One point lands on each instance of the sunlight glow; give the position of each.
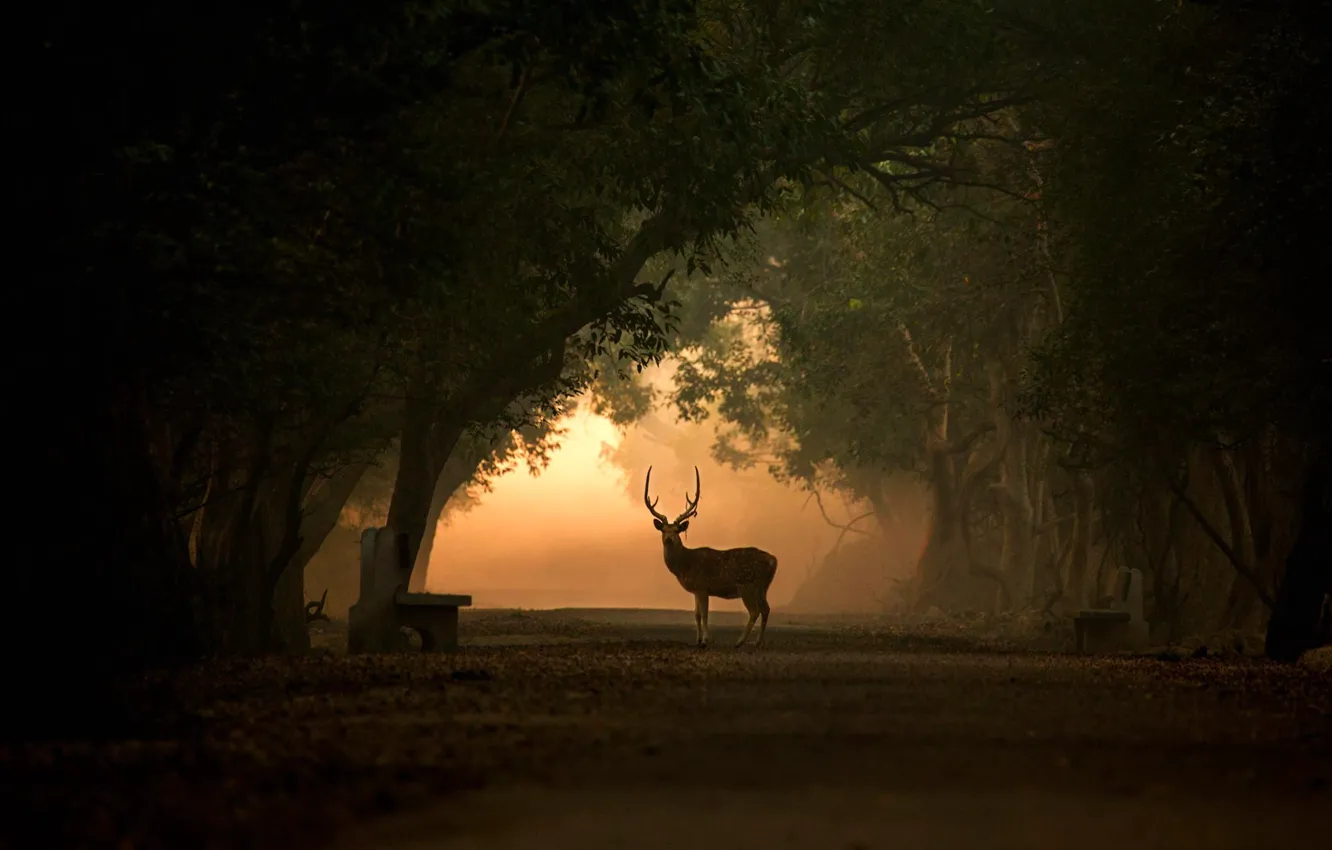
(578, 535)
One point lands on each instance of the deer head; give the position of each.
(671, 530)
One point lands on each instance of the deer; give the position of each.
(744, 574)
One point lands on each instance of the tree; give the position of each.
(1185, 200)
(895, 344)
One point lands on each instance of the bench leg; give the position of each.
(1079, 636)
(442, 636)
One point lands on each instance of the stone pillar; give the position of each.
(372, 622)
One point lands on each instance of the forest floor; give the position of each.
(585, 729)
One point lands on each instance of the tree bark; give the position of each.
(980, 465)
(944, 549)
(458, 471)
(1294, 627)
(1241, 599)
(1161, 517)
(948, 554)
(428, 438)
(289, 632)
(121, 572)
(1018, 556)
(323, 509)
(319, 516)
(884, 515)
(1084, 492)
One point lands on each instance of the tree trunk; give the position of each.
(884, 515)
(948, 557)
(243, 613)
(427, 441)
(1162, 519)
(1018, 556)
(1294, 627)
(319, 516)
(1242, 599)
(458, 471)
(979, 467)
(290, 633)
(120, 572)
(243, 563)
(944, 553)
(1084, 492)
(323, 509)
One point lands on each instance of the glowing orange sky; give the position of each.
(579, 535)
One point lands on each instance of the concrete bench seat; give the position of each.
(433, 600)
(1122, 625)
(434, 616)
(1107, 614)
(386, 607)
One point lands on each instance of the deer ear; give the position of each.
(684, 526)
(657, 524)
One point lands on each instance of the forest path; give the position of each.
(826, 739)
(557, 731)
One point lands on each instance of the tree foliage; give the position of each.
(276, 245)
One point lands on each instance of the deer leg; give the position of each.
(749, 627)
(751, 605)
(698, 623)
(704, 634)
(764, 611)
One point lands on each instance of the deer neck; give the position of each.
(677, 556)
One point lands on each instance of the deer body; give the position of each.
(744, 574)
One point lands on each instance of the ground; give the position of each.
(600, 729)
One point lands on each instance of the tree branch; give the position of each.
(294, 509)
(839, 183)
(652, 237)
(1215, 536)
(517, 98)
(848, 527)
(962, 445)
(916, 359)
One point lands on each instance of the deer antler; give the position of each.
(652, 505)
(691, 506)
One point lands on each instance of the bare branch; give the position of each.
(1246, 570)
(845, 527)
(915, 357)
(517, 98)
(845, 187)
(962, 445)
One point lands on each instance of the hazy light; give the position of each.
(578, 535)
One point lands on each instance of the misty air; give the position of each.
(830, 424)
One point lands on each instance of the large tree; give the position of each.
(1180, 385)
(1190, 197)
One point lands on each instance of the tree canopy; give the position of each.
(1039, 254)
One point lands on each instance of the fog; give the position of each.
(578, 535)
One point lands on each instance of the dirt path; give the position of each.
(617, 735)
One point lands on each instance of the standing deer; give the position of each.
(743, 574)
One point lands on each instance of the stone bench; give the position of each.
(1120, 624)
(386, 607)
(434, 616)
